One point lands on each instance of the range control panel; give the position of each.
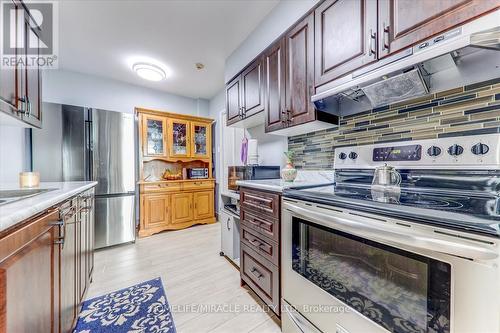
(398, 153)
(465, 152)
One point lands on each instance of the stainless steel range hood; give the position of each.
(462, 56)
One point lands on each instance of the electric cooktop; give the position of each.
(463, 210)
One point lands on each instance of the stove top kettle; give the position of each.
(386, 175)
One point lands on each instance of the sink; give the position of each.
(8, 196)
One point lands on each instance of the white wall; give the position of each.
(47, 144)
(12, 153)
(65, 87)
(280, 19)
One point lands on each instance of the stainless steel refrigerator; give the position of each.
(99, 145)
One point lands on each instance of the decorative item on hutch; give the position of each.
(171, 143)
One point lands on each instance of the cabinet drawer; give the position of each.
(262, 276)
(266, 248)
(262, 202)
(198, 185)
(268, 227)
(162, 187)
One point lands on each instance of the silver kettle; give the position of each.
(386, 175)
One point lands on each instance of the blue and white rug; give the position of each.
(141, 308)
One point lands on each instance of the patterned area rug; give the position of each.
(141, 308)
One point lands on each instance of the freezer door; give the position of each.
(114, 220)
(74, 143)
(113, 158)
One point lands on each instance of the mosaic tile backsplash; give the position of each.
(469, 110)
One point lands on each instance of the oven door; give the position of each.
(345, 272)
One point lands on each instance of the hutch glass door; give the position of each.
(200, 134)
(155, 136)
(179, 138)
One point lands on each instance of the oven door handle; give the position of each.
(304, 325)
(384, 233)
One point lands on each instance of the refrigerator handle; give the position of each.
(89, 149)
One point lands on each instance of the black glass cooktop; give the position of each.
(472, 211)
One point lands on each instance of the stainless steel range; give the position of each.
(414, 250)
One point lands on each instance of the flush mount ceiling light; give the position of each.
(149, 71)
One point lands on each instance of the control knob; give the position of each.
(342, 156)
(353, 155)
(480, 149)
(434, 151)
(455, 150)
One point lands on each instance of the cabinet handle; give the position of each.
(258, 275)
(28, 109)
(255, 242)
(227, 224)
(62, 231)
(385, 37)
(373, 38)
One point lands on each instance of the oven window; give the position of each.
(399, 290)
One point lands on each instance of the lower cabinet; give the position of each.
(156, 209)
(176, 207)
(203, 205)
(45, 268)
(28, 274)
(182, 207)
(68, 264)
(260, 244)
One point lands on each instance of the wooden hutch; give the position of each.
(170, 144)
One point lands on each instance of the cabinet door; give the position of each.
(156, 210)
(90, 236)
(28, 278)
(33, 78)
(203, 205)
(182, 207)
(8, 79)
(252, 89)
(346, 37)
(82, 253)
(403, 23)
(200, 140)
(274, 68)
(233, 102)
(68, 276)
(154, 129)
(178, 138)
(299, 74)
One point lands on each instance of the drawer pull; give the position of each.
(256, 273)
(255, 243)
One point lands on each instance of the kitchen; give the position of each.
(293, 166)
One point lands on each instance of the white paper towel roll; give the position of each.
(253, 152)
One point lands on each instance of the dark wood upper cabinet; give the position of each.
(245, 94)
(252, 89)
(403, 23)
(20, 84)
(299, 72)
(274, 99)
(33, 83)
(346, 37)
(233, 103)
(8, 82)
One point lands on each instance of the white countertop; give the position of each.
(17, 211)
(304, 178)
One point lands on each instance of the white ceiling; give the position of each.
(103, 37)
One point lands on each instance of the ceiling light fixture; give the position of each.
(149, 71)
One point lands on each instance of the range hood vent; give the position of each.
(397, 88)
(463, 56)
